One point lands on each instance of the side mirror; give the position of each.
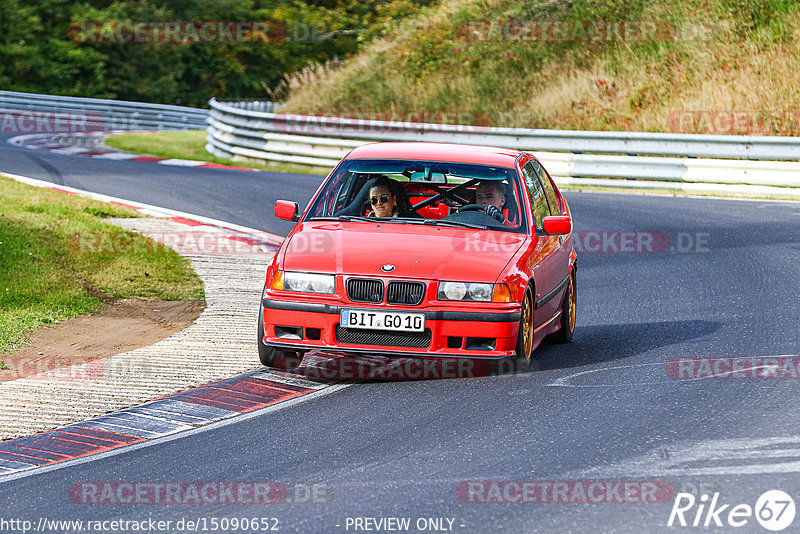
(287, 210)
(557, 224)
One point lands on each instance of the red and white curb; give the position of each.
(63, 415)
(175, 413)
(49, 142)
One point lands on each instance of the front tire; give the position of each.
(272, 357)
(525, 336)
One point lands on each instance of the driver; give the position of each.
(492, 196)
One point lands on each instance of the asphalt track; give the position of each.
(602, 408)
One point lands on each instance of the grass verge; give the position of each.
(190, 144)
(51, 267)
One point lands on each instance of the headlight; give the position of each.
(465, 291)
(308, 282)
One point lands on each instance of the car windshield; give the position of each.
(422, 192)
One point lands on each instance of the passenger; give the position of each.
(382, 200)
(388, 199)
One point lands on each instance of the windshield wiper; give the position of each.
(346, 218)
(455, 224)
(361, 218)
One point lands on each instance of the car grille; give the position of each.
(364, 290)
(399, 292)
(356, 336)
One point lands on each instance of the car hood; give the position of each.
(415, 251)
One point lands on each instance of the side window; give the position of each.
(550, 193)
(538, 199)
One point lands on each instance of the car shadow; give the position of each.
(608, 342)
(592, 344)
(330, 367)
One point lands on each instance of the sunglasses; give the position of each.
(383, 200)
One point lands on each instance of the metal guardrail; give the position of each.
(97, 114)
(629, 143)
(240, 131)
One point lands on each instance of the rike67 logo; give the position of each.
(774, 510)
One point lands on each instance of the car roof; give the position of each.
(453, 153)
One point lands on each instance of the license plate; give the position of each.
(380, 320)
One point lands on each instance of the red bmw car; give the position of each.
(424, 250)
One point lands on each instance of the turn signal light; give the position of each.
(501, 293)
(277, 280)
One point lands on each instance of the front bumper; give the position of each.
(467, 332)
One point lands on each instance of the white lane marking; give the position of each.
(72, 150)
(676, 460)
(42, 142)
(562, 382)
(116, 156)
(149, 209)
(232, 419)
(181, 162)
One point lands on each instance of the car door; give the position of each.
(546, 264)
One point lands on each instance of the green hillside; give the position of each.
(690, 65)
(227, 48)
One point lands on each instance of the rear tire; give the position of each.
(568, 312)
(272, 357)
